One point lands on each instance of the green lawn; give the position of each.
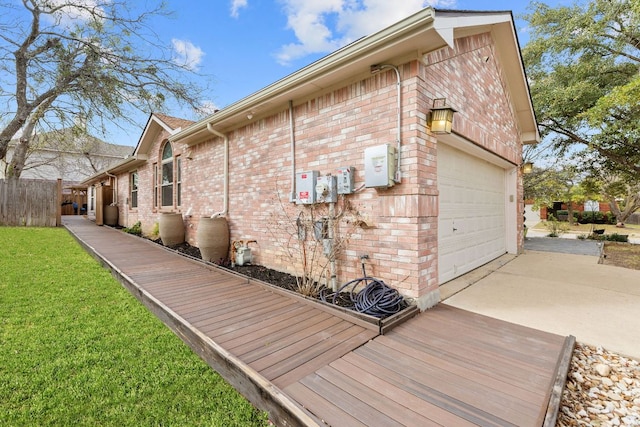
(77, 349)
(630, 229)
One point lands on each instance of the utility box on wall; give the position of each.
(306, 187)
(326, 189)
(346, 179)
(379, 166)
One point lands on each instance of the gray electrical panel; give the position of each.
(326, 189)
(379, 166)
(346, 179)
(306, 187)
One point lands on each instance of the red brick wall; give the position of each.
(332, 129)
(470, 78)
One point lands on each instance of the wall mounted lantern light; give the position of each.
(527, 167)
(440, 117)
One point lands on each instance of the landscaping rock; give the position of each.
(603, 389)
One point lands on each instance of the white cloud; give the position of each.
(71, 12)
(188, 55)
(236, 5)
(322, 26)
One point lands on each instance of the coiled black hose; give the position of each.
(375, 299)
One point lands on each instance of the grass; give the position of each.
(621, 255)
(77, 349)
(587, 228)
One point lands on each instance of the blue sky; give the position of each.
(246, 45)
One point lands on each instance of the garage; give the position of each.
(471, 218)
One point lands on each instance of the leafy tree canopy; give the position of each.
(583, 63)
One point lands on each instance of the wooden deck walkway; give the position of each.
(312, 366)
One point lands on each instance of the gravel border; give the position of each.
(602, 389)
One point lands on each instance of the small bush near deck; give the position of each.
(135, 229)
(76, 349)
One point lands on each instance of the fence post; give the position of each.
(59, 204)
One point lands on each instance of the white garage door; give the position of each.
(471, 219)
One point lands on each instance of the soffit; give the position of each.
(414, 35)
(423, 32)
(500, 24)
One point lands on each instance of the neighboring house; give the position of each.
(63, 154)
(580, 208)
(457, 202)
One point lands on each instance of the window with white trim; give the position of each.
(133, 185)
(178, 180)
(170, 177)
(166, 183)
(155, 185)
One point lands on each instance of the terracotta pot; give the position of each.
(171, 229)
(110, 216)
(213, 239)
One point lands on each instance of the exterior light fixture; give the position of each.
(440, 117)
(527, 167)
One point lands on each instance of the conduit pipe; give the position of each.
(333, 277)
(292, 138)
(225, 138)
(375, 69)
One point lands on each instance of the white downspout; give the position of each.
(292, 138)
(226, 170)
(375, 69)
(115, 187)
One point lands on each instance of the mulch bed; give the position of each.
(288, 282)
(277, 278)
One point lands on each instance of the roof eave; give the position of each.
(126, 165)
(352, 59)
(501, 23)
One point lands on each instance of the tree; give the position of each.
(623, 197)
(582, 62)
(561, 184)
(98, 59)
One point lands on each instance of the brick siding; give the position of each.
(332, 130)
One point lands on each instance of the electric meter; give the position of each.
(326, 189)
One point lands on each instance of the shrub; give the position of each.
(555, 227)
(599, 218)
(134, 229)
(587, 217)
(614, 237)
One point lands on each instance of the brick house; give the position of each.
(444, 203)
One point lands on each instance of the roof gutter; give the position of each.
(362, 48)
(122, 166)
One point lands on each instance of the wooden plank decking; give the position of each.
(444, 367)
(308, 365)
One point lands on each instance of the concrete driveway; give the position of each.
(555, 287)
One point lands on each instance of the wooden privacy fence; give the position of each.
(30, 202)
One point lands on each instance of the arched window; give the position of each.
(167, 175)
